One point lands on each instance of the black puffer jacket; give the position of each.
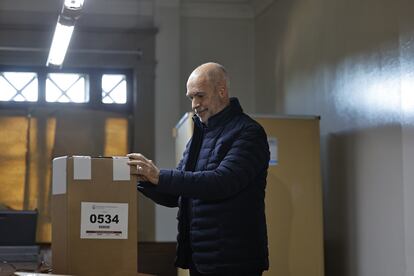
(222, 223)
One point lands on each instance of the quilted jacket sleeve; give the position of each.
(149, 190)
(246, 160)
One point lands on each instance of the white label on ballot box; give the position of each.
(102, 220)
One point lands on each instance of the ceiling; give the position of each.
(121, 13)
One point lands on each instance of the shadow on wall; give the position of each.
(337, 209)
(363, 200)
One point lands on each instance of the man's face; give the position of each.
(205, 101)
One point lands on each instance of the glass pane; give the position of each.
(67, 87)
(73, 92)
(7, 90)
(116, 137)
(13, 150)
(114, 89)
(18, 86)
(53, 91)
(30, 92)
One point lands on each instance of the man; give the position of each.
(219, 185)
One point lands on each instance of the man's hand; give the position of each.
(146, 169)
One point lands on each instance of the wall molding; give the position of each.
(260, 6)
(243, 9)
(217, 10)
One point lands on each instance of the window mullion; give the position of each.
(41, 86)
(95, 96)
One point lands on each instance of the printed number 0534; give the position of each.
(101, 218)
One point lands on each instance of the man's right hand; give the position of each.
(146, 169)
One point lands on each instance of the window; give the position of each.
(66, 87)
(18, 86)
(54, 113)
(114, 89)
(103, 89)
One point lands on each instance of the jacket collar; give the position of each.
(223, 116)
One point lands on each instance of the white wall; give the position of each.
(229, 41)
(167, 88)
(407, 102)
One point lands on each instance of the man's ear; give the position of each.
(222, 90)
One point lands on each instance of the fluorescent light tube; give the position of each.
(73, 4)
(60, 44)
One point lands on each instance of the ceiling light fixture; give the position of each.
(73, 4)
(63, 32)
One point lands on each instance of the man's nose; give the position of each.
(194, 104)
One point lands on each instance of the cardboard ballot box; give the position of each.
(94, 216)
